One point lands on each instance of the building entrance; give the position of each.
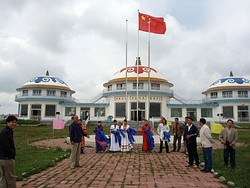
(141, 111)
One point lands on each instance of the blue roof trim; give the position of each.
(231, 100)
(139, 92)
(196, 105)
(39, 99)
(83, 104)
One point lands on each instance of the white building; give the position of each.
(46, 96)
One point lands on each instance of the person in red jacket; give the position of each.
(145, 145)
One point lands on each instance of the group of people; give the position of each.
(121, 137)
(228, 137)
(121, 140)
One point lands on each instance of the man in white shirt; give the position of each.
(206, 143)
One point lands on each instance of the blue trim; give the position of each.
(139, 92)
(83, 104)
(231, 100)
(39, 99)
(196, 105)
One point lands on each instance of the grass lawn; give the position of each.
(29, 159)
(239, 175)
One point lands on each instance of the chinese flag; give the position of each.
(157, 25)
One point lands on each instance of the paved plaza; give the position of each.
(130, 170)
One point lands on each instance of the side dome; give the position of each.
(46, 81)
(230, 83)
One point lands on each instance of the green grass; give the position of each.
(22, 121)
(239, 175)
(31, 160)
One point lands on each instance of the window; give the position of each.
(155, 86)
(155, 110)
(25, 92)
(140, 104)
(24, 110)
(227, 94)
(243, 115)
(228, 111)
(140, 85)
(63, 94)
(176, 112)
(36, 106)
(37, 92)
(110, 88)
(120, 110)
(206, 112)
(99, 112)
(242, 94)
(120, 86)
(191, 112)
(70, 111)
(214, 95)
(51, 92)
(50, 110)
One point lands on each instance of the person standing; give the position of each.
(184, 126)
(163, 127)
(7, 154)
(190, 138)
(84, 129)
(229, 137)
(177, 131)
(76, 134)
(125, 144)
(206, 143)
(148, 139)
(101, 140)
(115, 138)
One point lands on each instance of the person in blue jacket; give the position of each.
(76, 134)
(190, 136)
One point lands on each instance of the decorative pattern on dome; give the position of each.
(231, 81)
(46, 79)
(141, 69)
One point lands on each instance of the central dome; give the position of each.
(142, 74)
(138, 70)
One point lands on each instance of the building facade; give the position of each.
(47, 97)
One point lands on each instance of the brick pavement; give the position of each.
(130, 170)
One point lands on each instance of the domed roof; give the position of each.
(46, 81)
(142, 74)
(232, 82)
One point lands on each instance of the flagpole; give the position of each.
(137, 78)
(149, 84)
(126, 104)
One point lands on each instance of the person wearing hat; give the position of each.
(7, 154)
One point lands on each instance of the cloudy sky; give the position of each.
(83, 43)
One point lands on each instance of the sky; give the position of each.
(83, 43)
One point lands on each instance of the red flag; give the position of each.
(157, 25)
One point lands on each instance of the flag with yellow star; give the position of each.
(151, 24)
